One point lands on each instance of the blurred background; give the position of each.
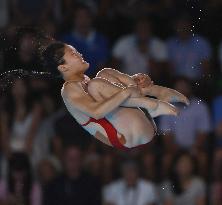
(46, 158)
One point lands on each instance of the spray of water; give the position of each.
(7, 78)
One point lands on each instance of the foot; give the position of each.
(171, 95)
(164, 108)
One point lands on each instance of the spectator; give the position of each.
(84, 37)
(26, 56)
(217, 118)
(220, 56)
(4, 13)
(47, 171)
(73, 186)
(26, 12)
(19, 187)
(184, 187)
(130, 189)
(140, 51)
(189, 53)
(93, 165)
(23, 119)
(216, 183)
(166, 162)
(191, 128)
(149, 166)
(109, 166)
(46, 132)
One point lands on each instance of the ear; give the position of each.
(62, 68)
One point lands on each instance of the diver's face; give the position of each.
(74, 61)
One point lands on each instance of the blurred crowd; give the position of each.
(46, 158)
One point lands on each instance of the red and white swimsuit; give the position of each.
(110, 131)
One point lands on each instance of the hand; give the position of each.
(134, 90)
(142, 80)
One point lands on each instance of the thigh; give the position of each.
(100, 88)
(133, 124)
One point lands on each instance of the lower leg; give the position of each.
(153, 106)
(165, 94)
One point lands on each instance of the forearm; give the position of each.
(110, 104)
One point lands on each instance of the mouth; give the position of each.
(83, 61)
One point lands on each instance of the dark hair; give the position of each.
(52, 57)
(174, 178)
(20, 162)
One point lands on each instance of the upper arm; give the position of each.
(83, 102)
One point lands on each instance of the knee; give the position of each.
(104, 72)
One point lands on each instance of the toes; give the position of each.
(174, 110)
(180, 98)
(187, 102)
